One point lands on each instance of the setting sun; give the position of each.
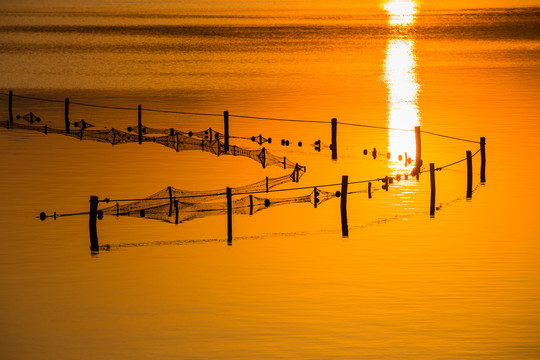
(401, 12)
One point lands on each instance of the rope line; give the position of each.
(243, 117)
(287, 189)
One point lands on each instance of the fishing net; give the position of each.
(205, 140)
(176, 211)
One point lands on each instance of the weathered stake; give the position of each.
(344, 223)
(229, 216)
(11, 107)
(483, 160)
(139, 123)
(432, 177)
(170, 201)
(226, 127)
(369, 190)
(94, 244)
(418, 160)
(334, 139)
(66, 115)
(469, 174)
(176, 209)
(250, 204)
(267, 184)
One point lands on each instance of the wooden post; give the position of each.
(418, 160)
(226, 126)
(139, 123)
(284, 162)
(117, 210)
(315, 197)
(297, 172)
(170, 201)
(369, 190)
(94, 244)
(66, 115)
(469, 174)
(250, 204)
(229, 216)
(483, 160)
(344, 223)
(267, 184)
(176, 209)
(432, 177)
(11, 107)
(334, 139)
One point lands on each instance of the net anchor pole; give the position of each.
(176, 209)
(469, 175)
(94, 244)
(139, 123)
(483, 160)
(170, 202)
(229, 216)
(226, 131)
(66, 114)
(267, 184)
(333, 145)
(369, 190)
(250, 204)
(418, 160)
(432, 200)
(344, 222)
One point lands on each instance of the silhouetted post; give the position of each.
(170, 201)
(94, 244)
(176, 209)
(250, 204)
(229, 216)
(418, 161)
(11, 107)
(469, 174)
(66, 115)
(297, 172)
(334, 139)
(344, 224)
(267, 184)
(432, 177)
(117, 210)
(284, 162)
(315, 197)
(369, 190)
(226, 126)
(483, 160)
(139, 123)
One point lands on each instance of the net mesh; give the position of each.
(205, 140)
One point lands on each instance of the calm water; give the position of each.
(402, 286)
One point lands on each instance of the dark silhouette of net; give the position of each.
(205, 140)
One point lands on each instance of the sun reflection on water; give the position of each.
(400, 78)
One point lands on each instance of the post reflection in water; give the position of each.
(400, 78)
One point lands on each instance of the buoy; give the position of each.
(388, 155)
(142, 213)
(42, 215)
(253, 138)
(129, 129)
(287, 143)
(190, 134)
(269, 140)
(300, 143)
(338, 193)
(100, 214)
(400, 157)
(266, 202)
(365, 151)
(282, 141)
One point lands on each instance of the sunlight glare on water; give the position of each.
(400, 78)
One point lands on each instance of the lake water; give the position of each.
(402, 285)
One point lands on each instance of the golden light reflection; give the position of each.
(401, 12)
(400, 78)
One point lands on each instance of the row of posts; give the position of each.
(94, 245)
